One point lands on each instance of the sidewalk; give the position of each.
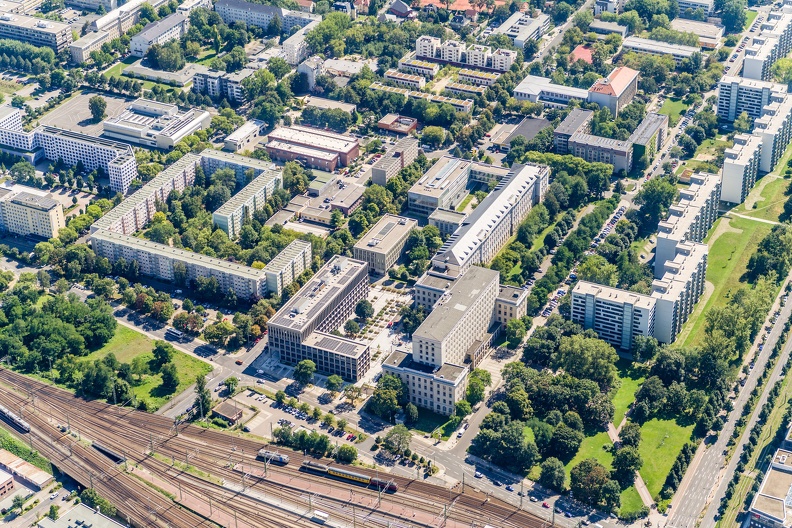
(640, 486)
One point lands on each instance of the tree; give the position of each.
(280, 397)
(163, 353)
(328, 420)
(334, 383)
(433, 135)
(566, 441)
(97, 105)
(18, 503)
(553, 475)
(304, 371)
(654, 199)
(743, 123)
(231, 383)
(170, 377)
(398, 439)
(346, 454)
(625, 463)
(462, 408)
(595, 268)
(734, 15)
(587, 481)
(364, 310)
(53, 512)
(587, 358)
(278, 67)
(630, 435)
(351, 327)
(203, 398)
(341, 424)
(515, 332)
(411, 413)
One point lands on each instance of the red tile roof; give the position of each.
(583, 53)
(615, 83)
(458, 5)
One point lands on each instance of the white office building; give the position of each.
(171, 27)
(154, 124)
(740, 167)
(520, 27)
(543, 90)
(81, 48)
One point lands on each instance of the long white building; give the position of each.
(261, 15)
(737, 95)
(35, 31)
(171, 27)
(520, 27)
(774, 42)
(656, 47)
(775, 130)
(232, 214)
(154, 124)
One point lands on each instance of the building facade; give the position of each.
(288, 265)
(616, 90)
(172, 27)
(401, 155)
(28, 211)
(737, 95)
(740, 167)
(36, 31)
(382, 245)
(240, 208)
(154, 124)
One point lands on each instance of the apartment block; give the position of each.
(773, 42)
(465, 90)
(302, 328)
(295, 49)
(456, 52)
(705, 5)
(679, 289)
(81, 48)
(737, 95)
(395, 159)
(689, 220)
(478, 78)
(244, 168)
(460, 105)
(261, 15)
(154, 124)
(405, 79)
(218, 85)
(494, 221)
(312, 67)
(382, 245)
(617, 316)
(288, 265)
(502, 59)
(740, 167)
(35, 31)
(604, 150)
(28, 211)
(121, 19)
(616, 90)
(650, 135)
(576, 121)
(520, 27)
(655, 47)
(451, 51)
(240, 208)
(426, 46)
(172, 27)
(311, 142)
(775, 129)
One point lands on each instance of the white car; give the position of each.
(54, 496)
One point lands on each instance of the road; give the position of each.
(545, 48)
(708, 468)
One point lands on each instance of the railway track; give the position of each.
(136, 433)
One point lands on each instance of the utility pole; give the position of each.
(522, 483)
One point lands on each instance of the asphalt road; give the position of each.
(698, 488)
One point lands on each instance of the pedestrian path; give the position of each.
(639, 484)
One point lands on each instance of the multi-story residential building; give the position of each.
(678, 290)
(520, 27)
(689, 220)
(447, 220)
(302, 328)
(173, 264)
(577, 120)
(775, 129)
(426, 46)
(511, 303)
(402, 154)
(616, 90)
(655, 47)
(419, 67)
(81, 48)
(405, 79)
(261, 15)
(494, 221)
(244, 168)
(451, 51)
(460, 105)
(188, 5)
(28, 211)
(737, 95)
(542, 90)
(217, 84)
(312, 68)
(774, 42)
(502, 59)
(35, 31)
(232, 214)
(608, 6)
(155, 124)
(618, 316)
(244, 137)
(478, 78)
(383, 244)
(705, 5)
(121, 19)
(648, 138)
(288, 265)
(465, 89)
(172, 27)
(740, 167)
(295, 49)
(312, 140)
(478, 56)
(601, 149)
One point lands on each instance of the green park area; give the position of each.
(117, 69)
(630, 379)
(749, 18)
(673, 107)
(661, 442)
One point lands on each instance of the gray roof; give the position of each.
(647, 128)
(287, 256)
(154, 30)
(447, 215)
(404, 360)
(528, 128)
(612, 27)
(42, 203)
(250, 6)
(614, 145)
(573, 121)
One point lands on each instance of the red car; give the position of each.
(545, 505)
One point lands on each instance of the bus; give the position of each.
(172, 332)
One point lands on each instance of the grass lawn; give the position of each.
(9, 87)
(630, 501)
(464, 203)
(712, 146)
(116, 69)
(205, 57)
(661, 442)
(428, 421)
(593, 447)
(630, 381)
(127, 344)
(750, 17)
(770, 203)
(673, 107)
(728, 258)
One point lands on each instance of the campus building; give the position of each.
(219, 85)
(261, 15)
(442, 186)
(520, 27)
(81, 48)
(36, 31)
(240, 208)
(616, 90)
(649, 137)
(244, 137)
(601, 149)
(173, 26)
(118, 21)
(28, 211)
(311, 144)
(769, 505)
(740, 167)
(288, 265)
(447, 220)
(382, 245)
(395, 159)
(511, 303)
(398, 124)
(709, 35)
(655, 47)
(154, 124)
(543, 90)
(737, 95)
(302, 328)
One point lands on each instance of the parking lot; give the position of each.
(75, 115)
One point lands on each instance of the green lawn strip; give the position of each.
(116, 69)
(205, 57)
(625, 395)
(464, 203)
(593, 447)
(673, 107)
(428, 421)
(770, 204)
(728, 260)
(750, 17)
(661, 442)
(630, 501)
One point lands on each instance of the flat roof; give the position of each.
(79, 516)
(613, 295)
(447, 215)
(261, 181)
(314, 136)
(753, 84)
(302, 150)
(435, 282)
(678, 271)
(455, 303)
(122, 148)
(247, 128)
(465, 88)
(389, 231)
(236, 159)
(701, 29)
(396, 74)
(285, 258)
(328, 104)
(574, 121)
(744, 149)
(156, 29)
(336, 344)
(511, 294)
(42, 203)
(90, 38)
(404, 360)
(656, 46)
(24, 469)
(37, 25)
(648, 127)
(440, 176)
(608, 26)
(478, 74)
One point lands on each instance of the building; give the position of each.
(261, 15)
(679, 289)
(172, 27)
(398, 124)
(244, 137)
(244, 168)
(465, 89)
(312, 68)
(775, 129)
(24, 470)
(737, 95)
(542, 90)
(302, 328)
(92, 5)
(494, 221)
(395, 159)
(511, 303)
(740, 167)
(419, 67)
(528, 128)
(80, 515)
(405, 79)
(240, 208)
(218, 85)
(577, 120)
(616, 90)
(705, 5)
(295, 49)
(458, 53)
(451, 51)
(606, 28)
(347, 8)
(311, 142)
(649, 137)
(774, 42)
(6, 483)
(443, 186)
(188, 5)
(502, 59)
(312, 101)
(601, 149)
(230, 412)
(478, 78)
(28, 211)
(655, 47)
(154, 124)
(709, 35)
(81, 48)
(618, 316)
(447, 220)
(689, 220)
(383, 244)
(118, 21)
(179, 265)
(521, 28)
(769, 505)
(460, 105)
(36, 31)
(607, 6)
(288, 265)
